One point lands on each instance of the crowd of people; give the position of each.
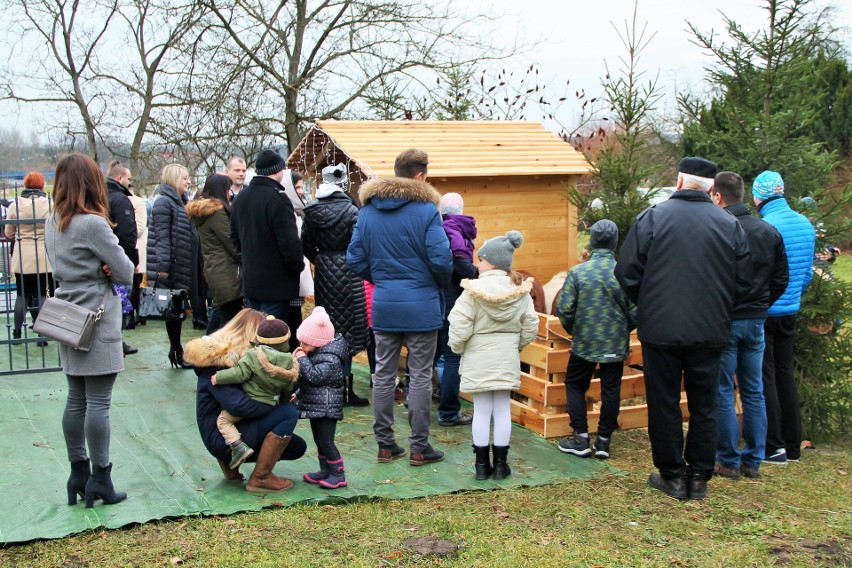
(712, 289)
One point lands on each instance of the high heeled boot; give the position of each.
(262, 480)
(483, 462)
(501, 468)
(80, 473)
(176, 359)
(353, 399)
(100, 486)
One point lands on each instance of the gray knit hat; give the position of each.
(603, 234)
(499, 250)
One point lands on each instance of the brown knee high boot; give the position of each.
(262, 480)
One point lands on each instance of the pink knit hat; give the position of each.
(317, 329)
(452, 204)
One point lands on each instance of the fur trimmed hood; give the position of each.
(496, 294)
(399, 189)
(274, 371)
(208, 351)
(200, 208)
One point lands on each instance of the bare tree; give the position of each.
(315, 59)
(62, 59)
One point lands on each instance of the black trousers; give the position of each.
(323, 430)
(578, 377)
(783, 411)
(699, 371)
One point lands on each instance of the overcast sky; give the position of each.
(575, 38)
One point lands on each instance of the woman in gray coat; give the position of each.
(86, 260)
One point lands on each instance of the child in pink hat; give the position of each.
(321, 392)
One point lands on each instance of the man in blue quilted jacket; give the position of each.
(399, 245)
(784, 420)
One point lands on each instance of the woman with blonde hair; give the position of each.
(271, 436)
(170, 262)
(87, 260)
(33, 277)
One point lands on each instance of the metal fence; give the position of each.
(25, 280)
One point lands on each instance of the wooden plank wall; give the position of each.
(534, 205)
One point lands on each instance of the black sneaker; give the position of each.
(576, 444)
(602, 448)
(778, 457)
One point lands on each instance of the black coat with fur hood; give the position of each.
(221, 259)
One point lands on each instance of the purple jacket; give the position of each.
(461, 230)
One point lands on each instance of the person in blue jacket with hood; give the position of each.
(783, 414)
(399, 245)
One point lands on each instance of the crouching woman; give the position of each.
(271, 436)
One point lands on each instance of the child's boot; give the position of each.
(318, 476)
(483, 462)
(240, 452)
(336, 478)
(501, 468)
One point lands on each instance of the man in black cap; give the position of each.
(263, 228)
(684, 263)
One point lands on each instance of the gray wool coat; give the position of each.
(77, 255)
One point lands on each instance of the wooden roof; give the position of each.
(455, 148)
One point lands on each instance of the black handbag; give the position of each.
(68, 323)
(162, 303)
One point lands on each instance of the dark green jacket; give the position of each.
(267, 375)
(595, 310)
(221, 259)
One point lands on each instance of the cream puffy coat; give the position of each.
(29, 256)
(492, 321)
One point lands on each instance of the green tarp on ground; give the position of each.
(160, 462)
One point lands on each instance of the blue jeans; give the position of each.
(449, 405)
(742, 355)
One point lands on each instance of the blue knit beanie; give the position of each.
(767, 184)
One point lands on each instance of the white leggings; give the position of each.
(486, 405)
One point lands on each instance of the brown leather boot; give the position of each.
(231, 474)
(262, 480)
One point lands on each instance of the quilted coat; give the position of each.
(492, 321)
(595, 310)
(170, 241)
(799, 237)
(267, 375)
(326, 232)
(321, 384)
(399, 244)
(221, 259)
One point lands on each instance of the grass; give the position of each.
(842, 267)
(799, 515)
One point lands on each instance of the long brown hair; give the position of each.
(79, 189)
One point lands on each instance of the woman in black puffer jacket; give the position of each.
(170, 260)
(326, 233)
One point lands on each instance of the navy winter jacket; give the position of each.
(399, 244)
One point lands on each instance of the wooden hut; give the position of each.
(511, 174)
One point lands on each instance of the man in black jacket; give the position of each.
(121, 213)
(684, 263)
(263, 228)
(743, 355)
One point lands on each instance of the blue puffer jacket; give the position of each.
(799, 238)
(321, 383)
(399, 244)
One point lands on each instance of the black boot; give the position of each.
(483, 462)
(353, 399)
(501, 468)
(176, 359)
(80, 473)
(100, 486)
